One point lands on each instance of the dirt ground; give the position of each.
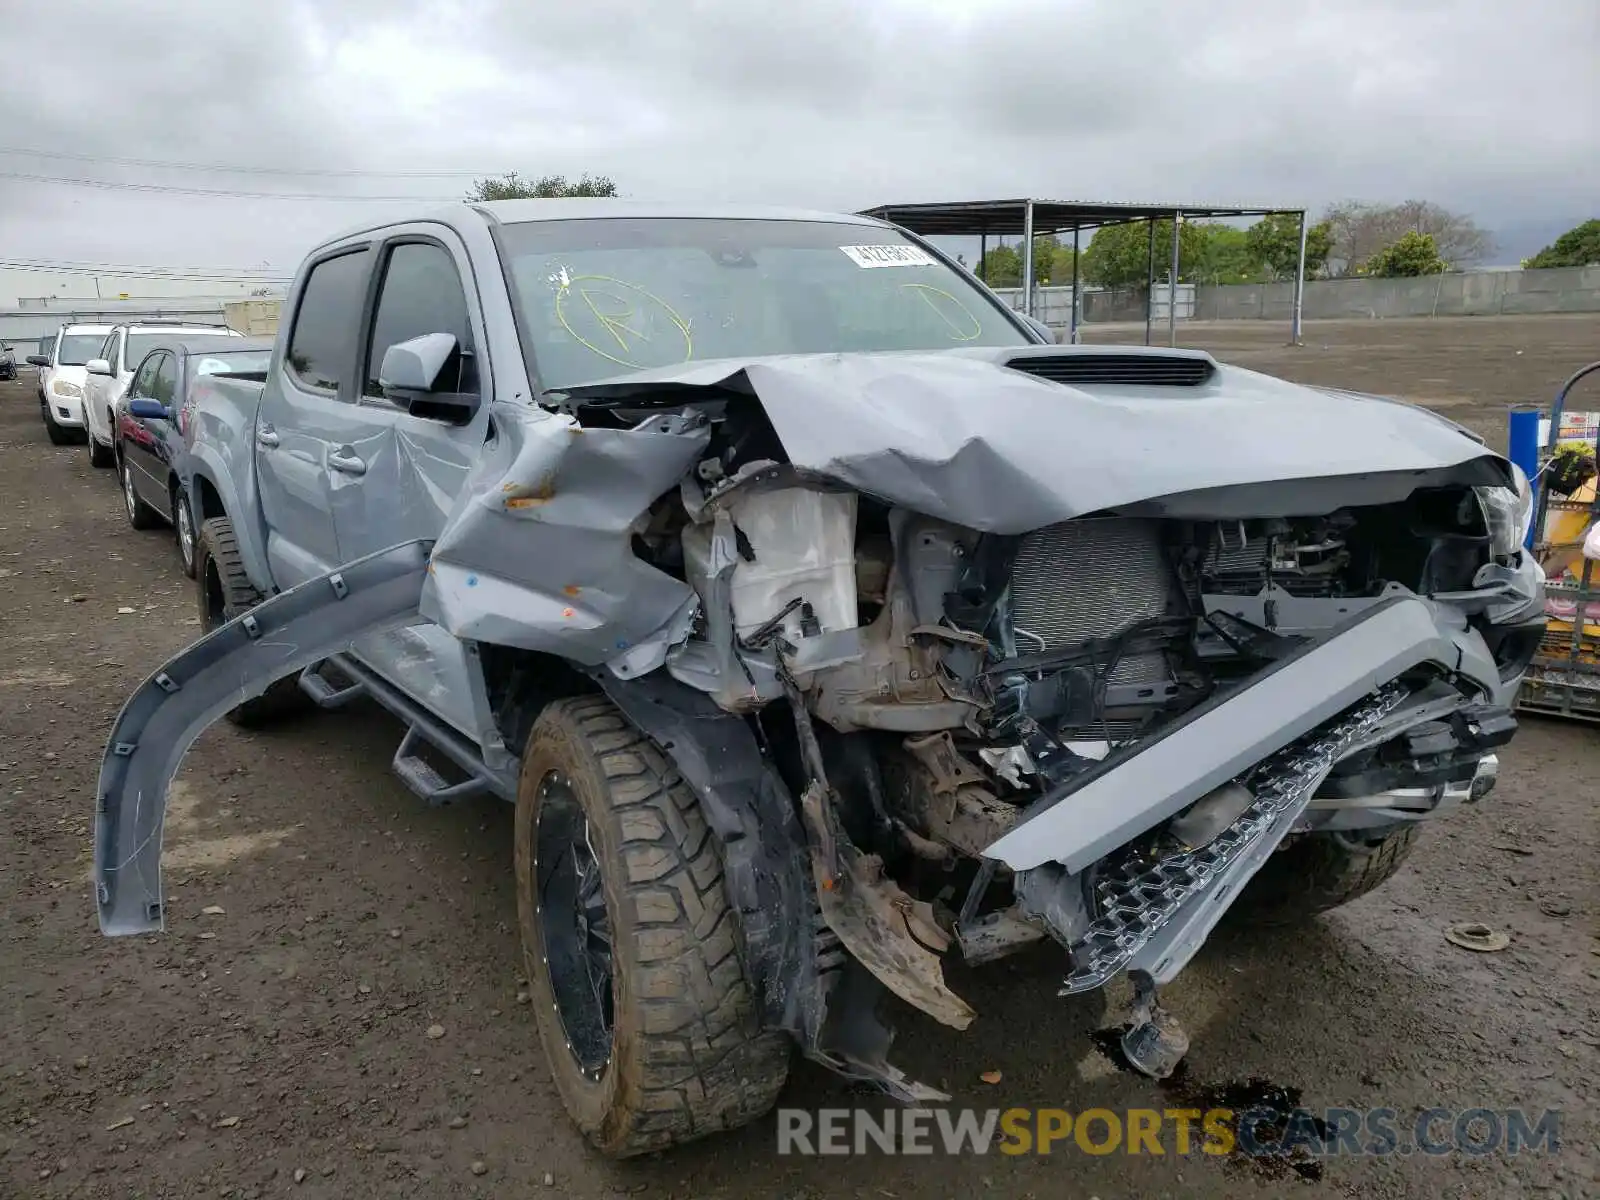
(280, 1046)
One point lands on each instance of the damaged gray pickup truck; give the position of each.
(824, 622)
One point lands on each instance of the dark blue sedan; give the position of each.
(150, 427)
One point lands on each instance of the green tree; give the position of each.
(1001, 267)
(1577, 247)
(1361, 230)
(512, 186)
(1118, 255)
(1223, 256)
(1274, 245)
(1052, 264)
(1410, 254)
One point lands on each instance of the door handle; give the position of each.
(339, 460)
(266, 436)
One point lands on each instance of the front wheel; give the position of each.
(1322, 871)
(99, 455)
(59, 434)
(648, 1023)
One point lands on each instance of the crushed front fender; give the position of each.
(234, 663)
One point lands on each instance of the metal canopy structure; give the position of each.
(1028, 219)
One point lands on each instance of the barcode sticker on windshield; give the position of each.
(888, 256)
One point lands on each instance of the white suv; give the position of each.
(110, 373)
(62, 378)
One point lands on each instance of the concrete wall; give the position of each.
(1471, 294)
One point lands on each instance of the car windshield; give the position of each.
(79, 348)
(232, 362)
(607, 296)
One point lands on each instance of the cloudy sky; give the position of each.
(1485, 107)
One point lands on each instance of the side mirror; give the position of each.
(97, 366)
(149, 410)
(1040, 328)
(38, 360)
(410, 375)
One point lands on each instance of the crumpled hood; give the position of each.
(962, 436)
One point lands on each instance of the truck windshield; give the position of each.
(79, 348)
(606, 296)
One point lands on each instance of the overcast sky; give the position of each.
(1476, 104)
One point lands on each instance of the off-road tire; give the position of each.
(688, 1055)
(224, 591)
(1322, 871)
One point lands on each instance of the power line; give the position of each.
(68, 266)
(228, 193)
(243, 170)
(153, 276)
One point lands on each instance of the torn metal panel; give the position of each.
(537, 552)
(962, 437)
(892, 935)
(234, 663)
(1130, 792)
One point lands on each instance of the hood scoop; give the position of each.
(1078, 369)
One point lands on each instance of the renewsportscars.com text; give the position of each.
(1159, 1131)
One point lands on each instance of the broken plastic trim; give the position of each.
(1153, 917)
(232, 664)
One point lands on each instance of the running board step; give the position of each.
(327, 695)
(424, 779)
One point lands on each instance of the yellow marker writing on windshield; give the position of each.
(621, 310)
(936, 298)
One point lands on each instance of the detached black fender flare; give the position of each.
(233, 663)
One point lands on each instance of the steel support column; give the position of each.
(1172, 283)
(1299, 284)
(1150, 283)
(1027, 257)
(1074, 285)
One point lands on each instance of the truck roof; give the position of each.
(516, 212)
(511, 212)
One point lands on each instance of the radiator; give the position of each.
(1089, 579)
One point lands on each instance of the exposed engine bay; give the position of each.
(929, 689)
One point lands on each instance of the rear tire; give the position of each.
(183, 531)
(664, 1044)
(225, 591)
(140, 514)
(1322, 871)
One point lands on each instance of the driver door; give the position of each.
(398, 474)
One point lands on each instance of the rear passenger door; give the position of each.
(305, 413)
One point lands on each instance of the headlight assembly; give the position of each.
(1508, 513)
(63, 388)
